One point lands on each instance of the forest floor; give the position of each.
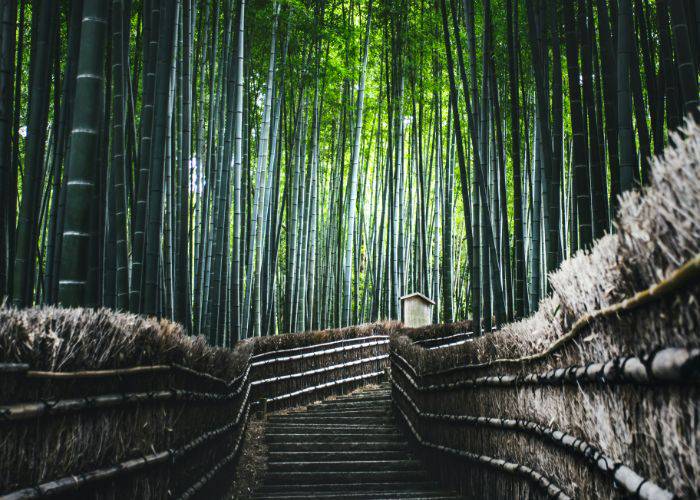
(252, 461)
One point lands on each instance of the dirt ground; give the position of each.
(252, 461)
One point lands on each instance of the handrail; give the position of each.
(684, 275)
(138, 370)
(76, 481)
(276, 352)
(671, 364)
(113, 372)
(238, 391)
(444, 341)
(318, 353)
(450, 344)
(326, 385)
(547, 485)
(116, 372)
(23, 411)
(438, 340)
(632, 482)
(316, 371)
(13, 367)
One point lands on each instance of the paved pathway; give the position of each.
(347, 447)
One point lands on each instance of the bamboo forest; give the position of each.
(254, 168)
(350, 249)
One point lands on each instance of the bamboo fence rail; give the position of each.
(628, 479)
(456, 414)
(300, 373)
(543, 482)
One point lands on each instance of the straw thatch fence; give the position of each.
(107, 405)
(597, 394)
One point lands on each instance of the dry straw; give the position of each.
(590, 363)
(115, 405)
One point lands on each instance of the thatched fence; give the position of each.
(139, 410)
(597, 395)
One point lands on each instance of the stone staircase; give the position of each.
(347, 447)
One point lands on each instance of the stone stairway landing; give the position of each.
(347, 447)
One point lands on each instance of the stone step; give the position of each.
(377, 388)
(347, 447)
(336, 456)
(363, 397)
(360, 397)
(378, 443)
(378, 428)
(334, 437)
(354, 405)
(306, 418)
(370, 411)
(352, 477)
(374, 392)
(339, 466)
(350, 488)
(367, 495)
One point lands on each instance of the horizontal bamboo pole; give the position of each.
(77, 481)
(431, 342)
(451, 344)
(21, 411)
(320, 370)
(276, 353)
(672, 364)
(202, 482)
(326, 385)
(623, 475)
(115, 372)
(319, 353)
(13, 367)
(395, 355)
(447, 340)
(118, 372)
(138, 370)
(687, 274)
(547, 485)
(204, 438)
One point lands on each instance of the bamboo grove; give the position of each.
(250, 168)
